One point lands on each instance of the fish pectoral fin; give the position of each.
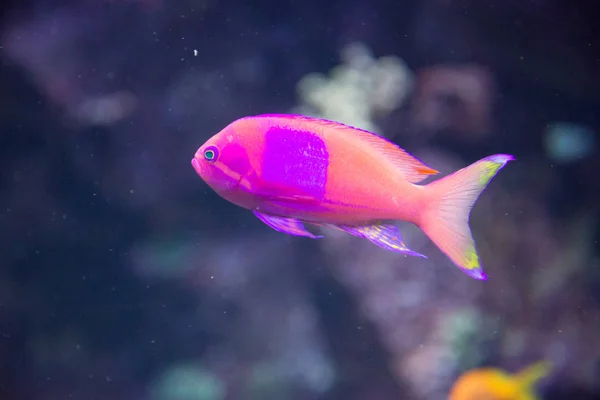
(290, 226)
(283, 194)
(293, 199)
(385, 236)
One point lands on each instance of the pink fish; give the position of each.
(290, 170)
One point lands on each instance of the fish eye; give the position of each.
(211, 154)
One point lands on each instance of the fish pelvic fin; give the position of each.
(528, 377)
(291, 226)
(445, 219)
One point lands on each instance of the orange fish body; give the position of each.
(495, 384)
(290, 170)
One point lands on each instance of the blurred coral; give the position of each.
(358, 91)
(457, 98)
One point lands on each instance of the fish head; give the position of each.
(222, 162)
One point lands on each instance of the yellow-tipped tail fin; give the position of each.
(446, 218)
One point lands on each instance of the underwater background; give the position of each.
(123, 276)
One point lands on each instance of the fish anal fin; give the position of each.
(385, 236)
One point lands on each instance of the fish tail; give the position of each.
(445, 219)
(529, 376)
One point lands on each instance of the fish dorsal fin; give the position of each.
(413, 169)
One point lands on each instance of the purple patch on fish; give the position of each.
(296, 159)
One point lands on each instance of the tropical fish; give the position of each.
(496, 384)
(291, 170)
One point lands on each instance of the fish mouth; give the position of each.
(196, 166)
